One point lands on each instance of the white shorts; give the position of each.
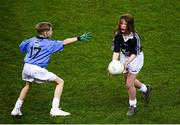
(135, 66)
(34, 73)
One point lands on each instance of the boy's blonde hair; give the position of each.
(43, 27)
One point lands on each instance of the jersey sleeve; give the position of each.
(23, 46)
(57, 46)
(134, 46)
(116, 42)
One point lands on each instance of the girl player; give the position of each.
(127, 46)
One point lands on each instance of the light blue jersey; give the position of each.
(39, 50)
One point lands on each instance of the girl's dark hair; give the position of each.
(130, 23)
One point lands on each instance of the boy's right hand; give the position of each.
(85, 37)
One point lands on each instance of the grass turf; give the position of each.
(89, 94)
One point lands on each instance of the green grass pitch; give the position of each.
(89, 94)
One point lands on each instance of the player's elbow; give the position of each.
(66, 41)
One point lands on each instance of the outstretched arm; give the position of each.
(83, 37)
(70, 40)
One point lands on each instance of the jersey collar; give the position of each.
(40, 37)
(126, 38)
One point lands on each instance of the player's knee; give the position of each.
(129, 84)
(28, 86)
(59, 81)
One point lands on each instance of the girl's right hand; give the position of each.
(109, 74)
(125, 68)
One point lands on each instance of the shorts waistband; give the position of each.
(33, 65)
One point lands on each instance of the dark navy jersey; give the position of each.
(129, 45)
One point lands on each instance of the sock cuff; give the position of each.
(20, 101)
(143, 88)
(133, 102)
(55, 103)
(56, 99)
